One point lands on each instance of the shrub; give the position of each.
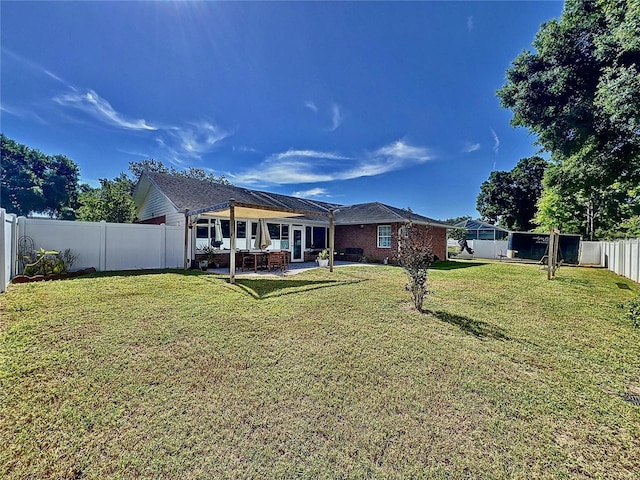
(632, 311)
(415, 255)
(44, 262)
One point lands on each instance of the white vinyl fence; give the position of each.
(8, 224)
(105, 246)
(494, 249)
(620, 256)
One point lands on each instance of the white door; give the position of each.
(297, 244)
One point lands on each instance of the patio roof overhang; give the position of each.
(234, 209)
(252, 211)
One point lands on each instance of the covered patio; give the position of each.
(259, 207)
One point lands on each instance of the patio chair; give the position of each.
(277, 259)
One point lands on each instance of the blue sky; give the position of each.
(347, 102)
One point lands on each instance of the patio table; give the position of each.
(258, 259)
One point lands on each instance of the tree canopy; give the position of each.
(579, 93)
(509, 198)
(151, 165)
(32, 182)
(112, 202)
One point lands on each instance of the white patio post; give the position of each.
(186, 235)
(232, 247)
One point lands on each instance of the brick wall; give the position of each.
(155, 220)
(348, 236)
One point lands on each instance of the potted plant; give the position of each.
(323, 258)
(210, 252)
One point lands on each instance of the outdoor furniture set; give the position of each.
(263, 260)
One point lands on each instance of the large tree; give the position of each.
(509, 198)
(579, 93)
(32, 182)
(151, 165)
(111, 202)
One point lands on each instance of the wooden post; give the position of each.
(331, 239)
(232, 246)
(552, 258)
(186, 235)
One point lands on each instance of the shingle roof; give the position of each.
(478, 225)
(194, 194)
(376, 212)
(197, 194)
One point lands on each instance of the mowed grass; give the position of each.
(320, 375)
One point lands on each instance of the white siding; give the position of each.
(156, 204)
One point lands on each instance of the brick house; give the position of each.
(366, 230)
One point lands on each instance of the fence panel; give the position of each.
(488, 248)
(622, 257)
(8, 248)
(109, 246)
(591, 253)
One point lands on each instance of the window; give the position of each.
(319, 237)
(202, 229)
(316, 237)
(202, 232)
(242, 230)
(226, 231)
(274, 230)
(308, 242)
(284, 237)
(384, 236)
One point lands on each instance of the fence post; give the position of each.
(102, 264)
(14, 245)
(163, 246)
(3, 250)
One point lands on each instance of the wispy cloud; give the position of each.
(22, 113)
(91, 103)
(496, 141)
(334, 110)
(298, 154)
(32, 65)
(469, 23)
(311, 193)
(311, 106)
(177, 143)
(470, 147)
(337, 117)
(243, 149)
(198, 138)
(310, 166)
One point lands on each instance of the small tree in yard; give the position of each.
(415, 255)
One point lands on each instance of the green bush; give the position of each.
(632, 311)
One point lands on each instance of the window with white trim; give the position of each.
(384, 236)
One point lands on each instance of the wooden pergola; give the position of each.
(234, 209)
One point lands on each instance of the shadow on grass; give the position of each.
(476, 328)
(269, 288)
(136, 273)
(454, 265)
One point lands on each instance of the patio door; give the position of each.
(297, 244)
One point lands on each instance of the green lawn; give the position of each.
(321, 375)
